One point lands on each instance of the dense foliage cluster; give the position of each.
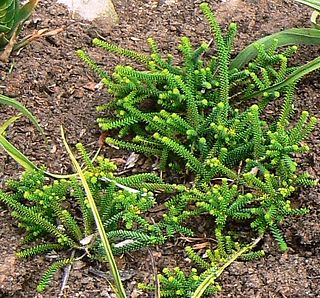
(239, 164)
(188, 110)
(187, 115)
(12, 17)
(43, 209)
(176, 283)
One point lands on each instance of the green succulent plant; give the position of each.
(42, 208)
(240, 164)
(12, 17)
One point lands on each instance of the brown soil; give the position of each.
(51, 81)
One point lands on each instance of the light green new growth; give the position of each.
(42, 209)
(242, 163)
(238, 164)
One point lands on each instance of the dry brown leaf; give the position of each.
(201, 245)
(91, 86)
(102, 138)
(118, 160)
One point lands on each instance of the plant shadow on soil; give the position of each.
(55, 85)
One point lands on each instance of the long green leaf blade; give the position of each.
(7, 123)
(104, 239)
(213, 276)
(26, 10)
(5, 4)
(17, 155)
(315, 4)
(295, 76)
(305, 36)
(23, 110)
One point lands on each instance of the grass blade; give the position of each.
(17, 155)
(294, 36)
(12, 150)
(315, 4)
(20, 158)
(7, 123)
(23, 110)
(115, 273)
(295, 76)
(25, 11)
(212, 277)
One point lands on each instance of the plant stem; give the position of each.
(213, 276)
(113, 266)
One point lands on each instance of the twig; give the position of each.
(66, 274)
(125, 275)
(190, 239)
(40, 33)
(4, 57)
(240, 166)
(156, 280)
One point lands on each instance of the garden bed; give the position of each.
(54, 84)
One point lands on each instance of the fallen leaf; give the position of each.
(90, 86)
(118, 160)
(53, 149)
(102, 139)
(87, 239)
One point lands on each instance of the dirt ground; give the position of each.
(55, 85)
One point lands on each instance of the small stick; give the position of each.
(66, 275)
(4, 57)
(156, 280)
